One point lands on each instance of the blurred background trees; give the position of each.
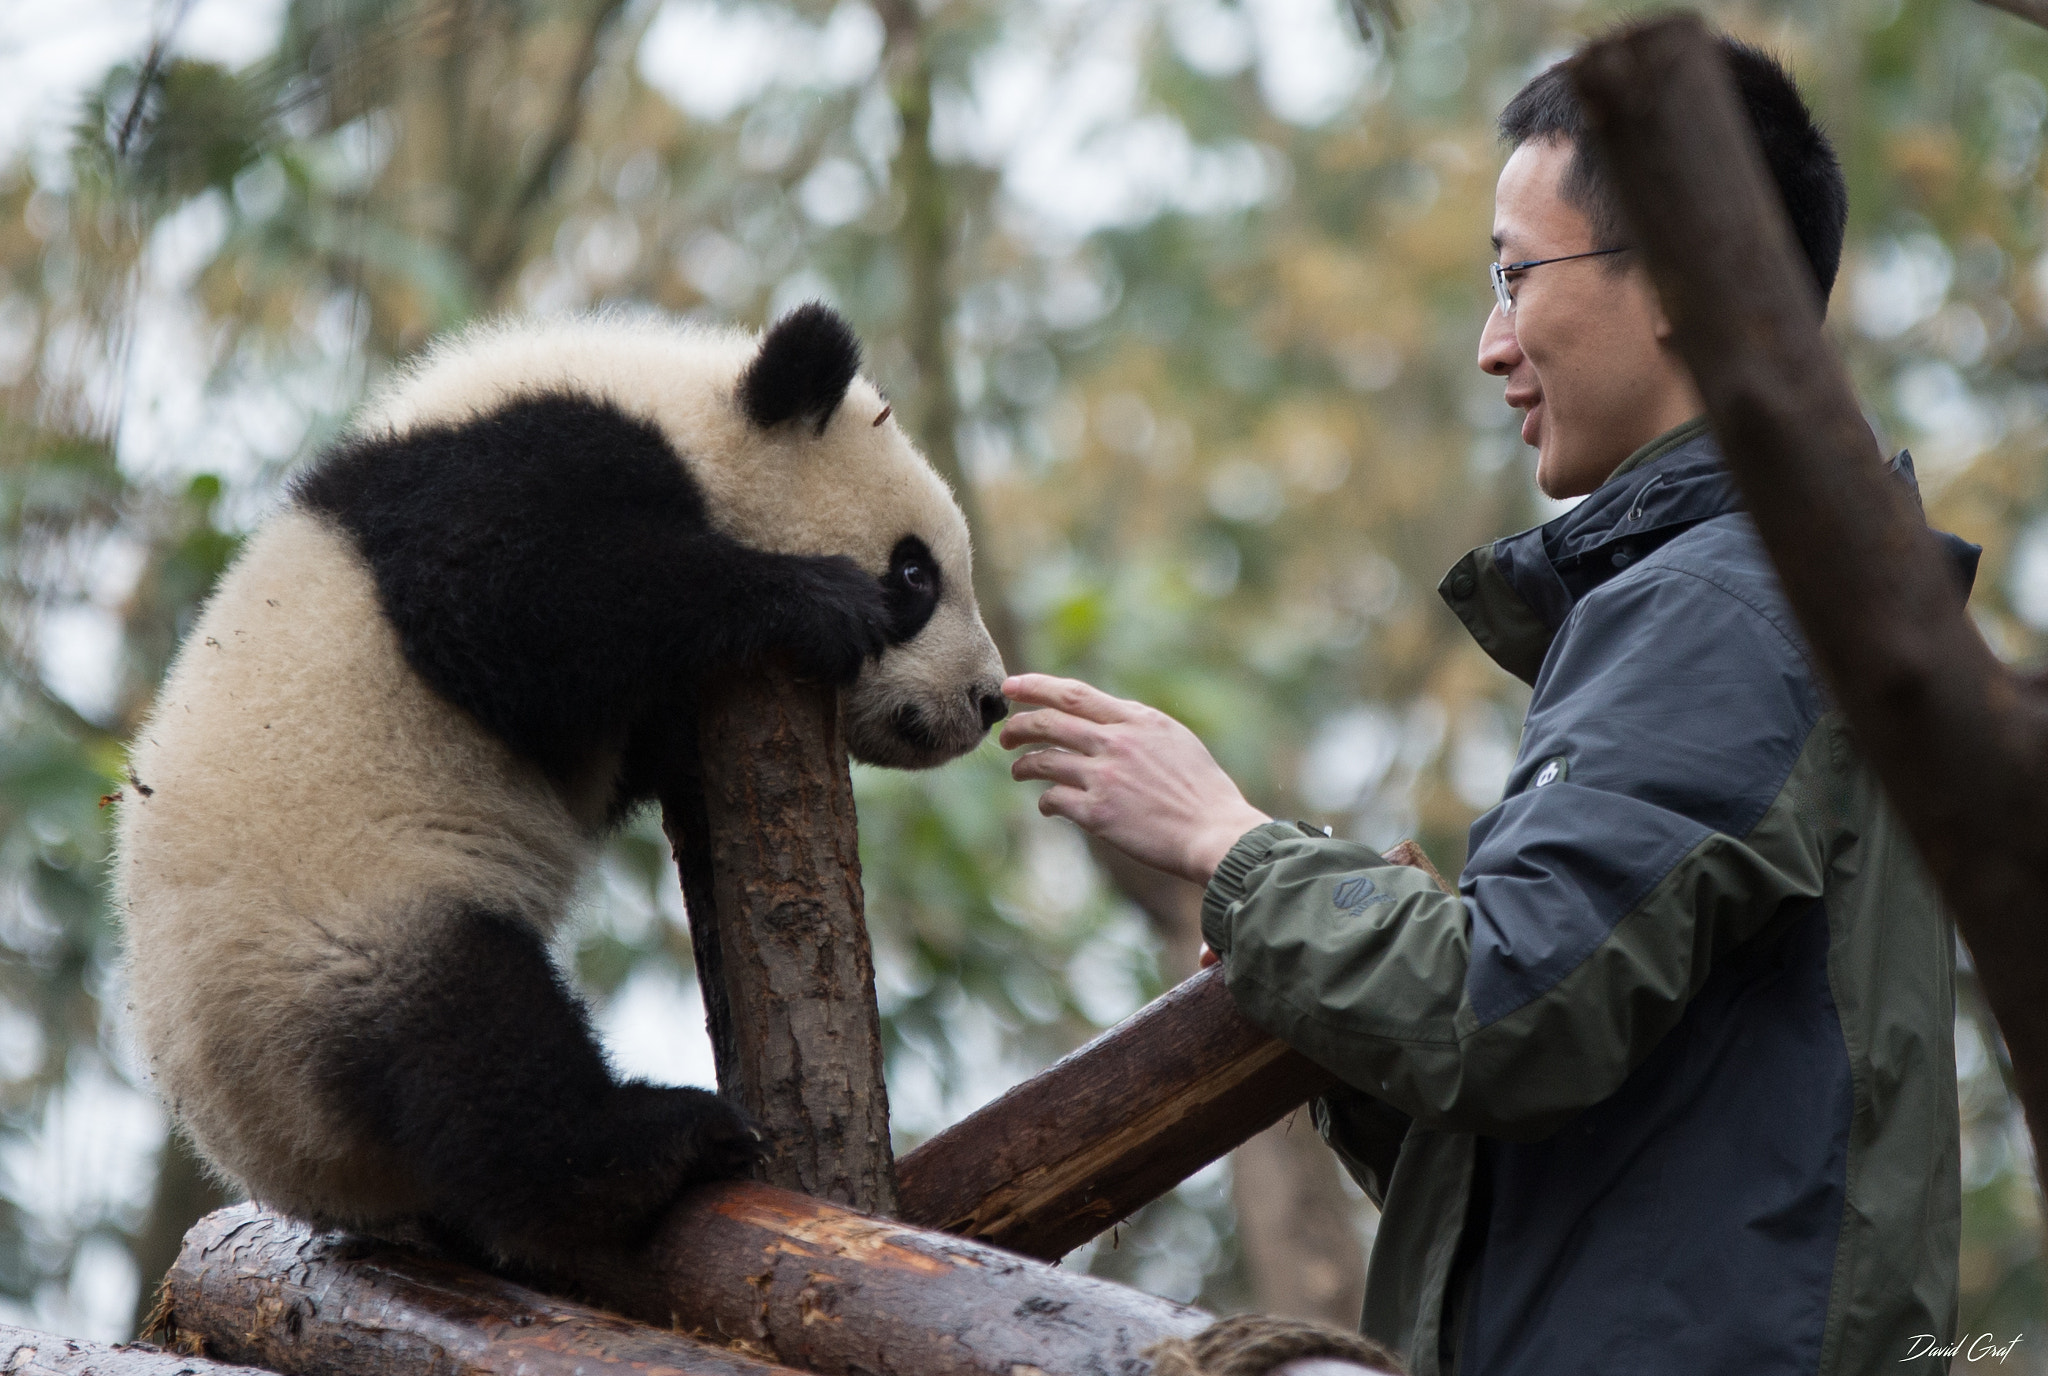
(1182, 294)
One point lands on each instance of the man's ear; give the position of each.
(1660, 321)
(806, 362)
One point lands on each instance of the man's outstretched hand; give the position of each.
(1126, 773)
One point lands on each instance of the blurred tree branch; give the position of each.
(1959, 740)
(69, 718)
(2033, 11)
(500, 253)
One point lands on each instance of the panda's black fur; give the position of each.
(802, 371)
(554, 571)
(547, 567)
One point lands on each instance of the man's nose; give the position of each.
(1498, 350)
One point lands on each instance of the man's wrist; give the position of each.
(1215, 842)
(1227, 885)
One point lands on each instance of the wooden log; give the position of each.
(255, 1287)
(1114, 1125)
(1110, 1127)
(1959, 741)
(792, 1279)
(765, 838)
(820, 1287)
(25, 1352)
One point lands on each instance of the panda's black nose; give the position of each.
(994, 707)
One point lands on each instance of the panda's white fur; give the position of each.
(777, 491)
(306, 812)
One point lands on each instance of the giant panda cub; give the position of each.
(423, 693)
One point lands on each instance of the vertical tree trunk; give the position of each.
(765, 838)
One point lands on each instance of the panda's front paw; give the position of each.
(844, 622)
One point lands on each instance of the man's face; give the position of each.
(1583, 351)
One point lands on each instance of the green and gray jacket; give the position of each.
(1669, 1084)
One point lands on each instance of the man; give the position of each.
(1669, 1085)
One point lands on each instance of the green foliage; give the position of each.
(163, 133)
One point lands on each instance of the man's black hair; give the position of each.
(1801, 159)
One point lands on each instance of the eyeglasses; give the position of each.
(1499, 272)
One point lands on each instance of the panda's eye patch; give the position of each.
(913, 585)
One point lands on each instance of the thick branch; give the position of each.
(793, 1279)
(25, 1352)
(1111, 1127)
(771, 872)
(1960, 744)
(1116, 1124)
(258, 1288)
(836, 1292)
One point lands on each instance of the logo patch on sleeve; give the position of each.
(1553, 770)
(1358, 893)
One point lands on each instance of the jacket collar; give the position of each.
(1514, 594)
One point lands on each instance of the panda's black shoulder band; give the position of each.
(804, 366)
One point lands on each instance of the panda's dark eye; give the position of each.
(913, 584)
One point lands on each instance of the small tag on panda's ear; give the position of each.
(886, 409)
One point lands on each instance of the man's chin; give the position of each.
(1559, 479)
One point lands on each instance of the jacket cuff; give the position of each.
(1226, 886)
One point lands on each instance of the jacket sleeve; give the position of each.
(1667, 802)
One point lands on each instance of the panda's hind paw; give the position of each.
(729, 1149)
(707, 1137)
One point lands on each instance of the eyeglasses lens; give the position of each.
(1500, 288)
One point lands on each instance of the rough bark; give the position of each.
(835, 1292)
(789, 1278)
(781, 939)
(1959, 741)
(25, 1352)
(254, 1287)
(1114, 1125)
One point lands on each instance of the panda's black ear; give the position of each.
(806, 363)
